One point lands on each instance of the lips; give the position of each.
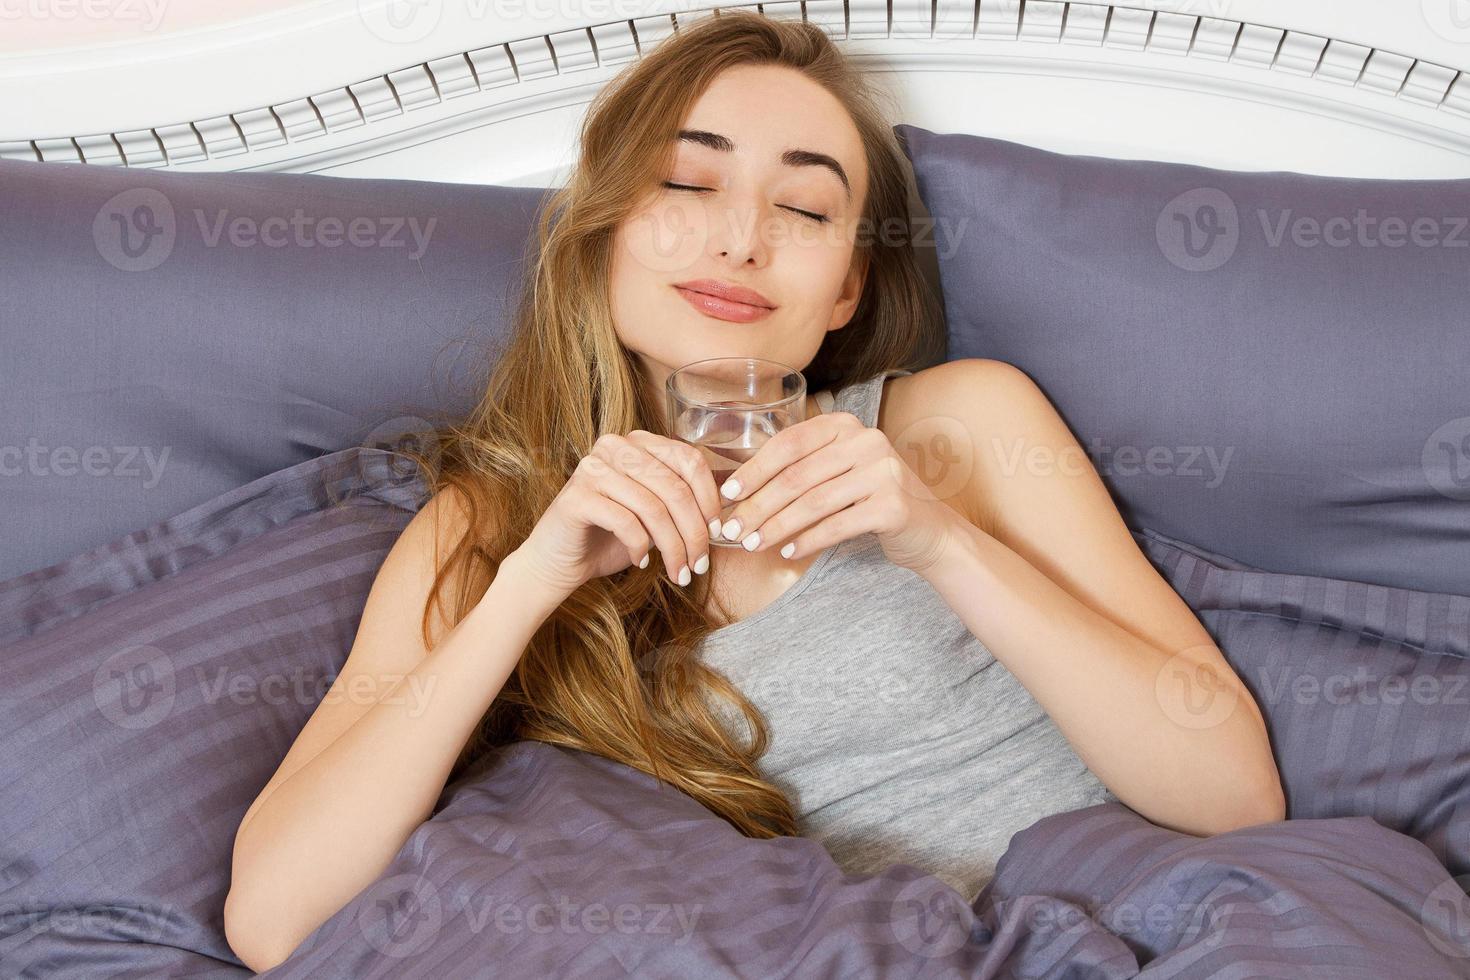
(725, 301)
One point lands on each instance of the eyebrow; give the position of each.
(791, 158)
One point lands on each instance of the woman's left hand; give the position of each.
(830, 478)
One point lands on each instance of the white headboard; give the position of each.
(492, 91)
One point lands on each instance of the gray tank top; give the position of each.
(894, 732)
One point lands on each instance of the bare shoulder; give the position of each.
(944, 419)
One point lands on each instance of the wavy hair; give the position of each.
(614, 671)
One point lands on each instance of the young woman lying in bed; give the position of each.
(1040, 661)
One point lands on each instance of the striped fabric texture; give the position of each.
(152, 686)
(1365, 689)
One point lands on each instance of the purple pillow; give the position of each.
(169, 336)
(1249, 366)
(1365, 689)
(150, 688)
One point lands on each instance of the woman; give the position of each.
(995, 645)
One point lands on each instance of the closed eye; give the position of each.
(819, 218)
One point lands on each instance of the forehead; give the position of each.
(740, 104)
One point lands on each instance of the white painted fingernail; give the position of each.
(714, 528)
(644, 562)
(701, 566)
(732, 528)
(731, 489)
(752, 541)
(788, 549)
(684, 577)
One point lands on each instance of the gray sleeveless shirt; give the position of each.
(895, 733)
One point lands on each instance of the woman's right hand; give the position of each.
(630, 494)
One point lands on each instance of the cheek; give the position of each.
(664, 240)
(818, 262)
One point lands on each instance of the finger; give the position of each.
(785, 448)
(789, 485)
(692, 466)
(650, 508)
(858, 518)
(620, 522)
(809, 509)
(677, 496)
(654, 515)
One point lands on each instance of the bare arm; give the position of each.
(369, 765)
(1048, 577)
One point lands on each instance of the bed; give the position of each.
(201, 480)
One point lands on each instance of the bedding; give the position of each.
(182, 378)
(551, 862)
(1365, 689)
(1269, 365)
(152, 685)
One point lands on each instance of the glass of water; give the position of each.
(728, 407)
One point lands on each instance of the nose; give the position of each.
(735, 234)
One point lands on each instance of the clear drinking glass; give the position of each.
(728, 407)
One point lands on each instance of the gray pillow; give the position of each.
(150, 688)
(1286, 385)
(1365, 689)
(169, 337)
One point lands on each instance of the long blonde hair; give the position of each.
(613, 671)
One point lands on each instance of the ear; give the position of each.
(852, 291)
